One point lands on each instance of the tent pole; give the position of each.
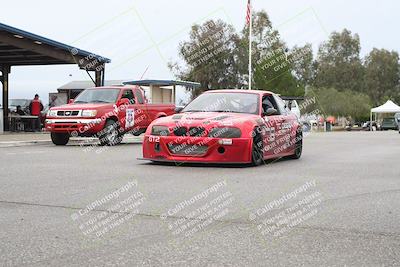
(370, 122)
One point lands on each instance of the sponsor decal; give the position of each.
(130, 118)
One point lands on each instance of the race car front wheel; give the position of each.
(257, 155)
(298, 146)
(59, 139)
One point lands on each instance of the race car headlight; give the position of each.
(51, 113)
(225, 132)
(159, 130)
(89, 113)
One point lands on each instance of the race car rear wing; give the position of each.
(289, 98)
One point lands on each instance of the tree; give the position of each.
(303, 68)
(210, 56)
(338, 63)
(330, 101)
(382, 77)
(273, 63)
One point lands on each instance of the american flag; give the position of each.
(248, 14)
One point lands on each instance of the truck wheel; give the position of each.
(257, 153)
(59, 139)
(110, 135)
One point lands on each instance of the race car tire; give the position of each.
(59, 139)
(110, 135)
(257, 155)
(298, 146)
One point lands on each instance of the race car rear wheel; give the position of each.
(257, 154)
(298, 146)
(110, 135)
(59, 139)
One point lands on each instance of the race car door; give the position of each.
(269, 130)
(284, 126)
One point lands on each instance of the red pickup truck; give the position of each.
(104, 112)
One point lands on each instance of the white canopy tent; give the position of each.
(388, 107)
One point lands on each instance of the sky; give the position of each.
(139, 35)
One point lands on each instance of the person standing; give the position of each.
(35, 107)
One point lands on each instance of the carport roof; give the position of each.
(163, 83)
(18, 48)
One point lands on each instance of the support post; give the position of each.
(5, 71)
(103, 75)
(97, 78)
(370, 121)
(173, 94)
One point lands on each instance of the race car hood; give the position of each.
(209, 119)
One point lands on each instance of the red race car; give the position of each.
(226, 126)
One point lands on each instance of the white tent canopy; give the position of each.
(388, 107)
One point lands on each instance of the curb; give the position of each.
(5, 144)
(23, 143)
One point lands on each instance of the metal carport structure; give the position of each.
(22, 48)
(157, 84)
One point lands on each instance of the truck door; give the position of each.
(127, 114)
(141, 112)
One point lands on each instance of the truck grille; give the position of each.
(187, 150)
(67, 113)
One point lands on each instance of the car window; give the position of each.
(269, 102)
(281, 105)
(225, 102)
(128, 95)
(139, 97)
(97, 95)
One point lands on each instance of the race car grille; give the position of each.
(180, 131)
(187, 150)
(67, 113)
(196, 131)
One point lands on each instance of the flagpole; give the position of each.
(250, 29)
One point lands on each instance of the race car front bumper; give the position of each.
(197, 149)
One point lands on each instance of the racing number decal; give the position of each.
(154, 139)
(130, 118)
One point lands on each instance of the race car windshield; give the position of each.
(225, 102)
(97, 96)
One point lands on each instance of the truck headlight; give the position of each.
(89, 113)
(159, 130)
(225, 132)
(51, 113)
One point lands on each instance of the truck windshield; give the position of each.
(104, 95)
(225, 102)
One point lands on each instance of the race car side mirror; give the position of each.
(71, 101)
(270, 112)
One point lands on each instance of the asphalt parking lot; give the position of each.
(356, 176)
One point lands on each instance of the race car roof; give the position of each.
(239, 91)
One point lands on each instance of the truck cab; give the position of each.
(106, 113)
